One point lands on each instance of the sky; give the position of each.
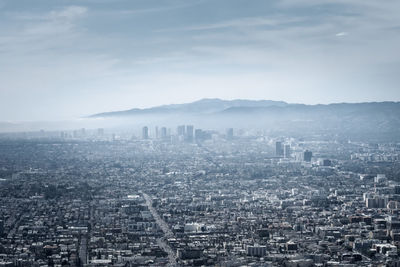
(64, 59)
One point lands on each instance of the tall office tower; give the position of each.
(198, 135)
(100, 132)
(307, 156)
(279, 149)
(189, 133)
(145, 133)
(180, 130)
(287, 151)
(163, 133)
(157, 133)
(229, 134)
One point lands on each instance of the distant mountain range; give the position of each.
(367, 121)
(204, 106)
(267, 108)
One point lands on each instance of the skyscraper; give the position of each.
(180, 130)
(145, 133)
(307, 156)
(287, 151)
(189, 133)
(157, 134)
(163, 133)
(279, 149)
(229, 134)
(198, 135)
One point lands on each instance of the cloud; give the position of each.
(237, 23)
(340, 34)
(56, 21)
(64, 13)
(68, 13)
(159, 8)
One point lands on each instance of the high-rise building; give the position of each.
(229, 134)
(189, 133)
(145, 133)
(163, 133)
(279, 149)
(198, 135)
(397, 189)
(287, 152)
(157, 134)
(100, 132)
(180, 130)
(307, 156)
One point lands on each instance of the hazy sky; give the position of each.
(62, 59)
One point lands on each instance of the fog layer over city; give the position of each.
(224, 133)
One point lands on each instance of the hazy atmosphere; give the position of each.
(68, 59)
(173, 133)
